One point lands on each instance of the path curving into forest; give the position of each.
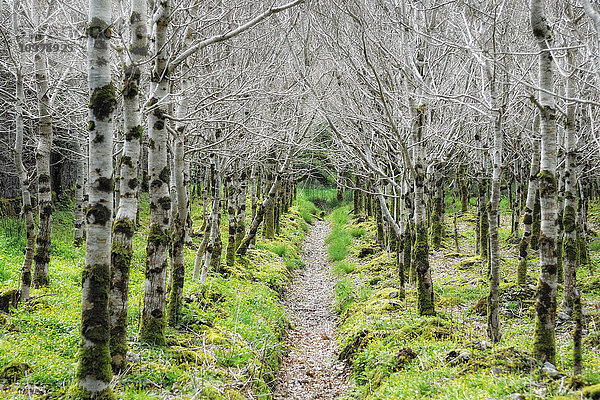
(311, 369)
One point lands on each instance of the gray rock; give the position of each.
(516, 396)
(132, 357)
(550, 370)
(563, 316)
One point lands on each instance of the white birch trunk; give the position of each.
(27, 211)
(493, 302)
(125, 220)
(544, 346)
(44, 148)
(93, 371)
(153, 314)
(181, 197)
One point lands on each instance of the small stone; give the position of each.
(495, 371)
(132, 357)
(550, 370)
(516, 396)
(563, 316)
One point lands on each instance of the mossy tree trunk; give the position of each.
(560, 204)
(79, 193)
(484, 222)
(152, 329)
(493, 301)
(27, 210)
(94, 363)
(269, 199)
(125, 219)
(181, 199)
(240, 228)
(397, 230)
(42, 157)
(536, 222)
(231, 193)
(357, 198)
(213, 231)
(408, 234)
(583, 253)
(425, 303)
(528, 212)
(437, 212)
(569, 215)
(464, 195)
(269, 214)
(544, 343)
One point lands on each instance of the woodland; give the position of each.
(299, 199)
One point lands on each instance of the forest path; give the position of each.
(311, 369)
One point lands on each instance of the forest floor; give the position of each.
(312, 369)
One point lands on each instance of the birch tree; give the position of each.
(94, 362)
(44, 148)
(544, 343)
(125, 219)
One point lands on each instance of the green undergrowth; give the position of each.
(228, 341)
(396, 354)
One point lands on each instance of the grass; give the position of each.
(343, 267)
(377, 325)
(234, 322)
(339, 239)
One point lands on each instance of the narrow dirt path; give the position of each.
(311, 370)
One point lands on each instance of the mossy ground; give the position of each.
(377, 325)
(228, 342)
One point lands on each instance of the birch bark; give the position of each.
(94, 371)
(44, 148)
(153, 313)
(22, 173)
(125, 220)
(544, 344)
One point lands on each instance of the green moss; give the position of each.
(544, 342)
(99, 29)
(14, 371)
(121, 255)
(103, 101)
(157, 236)
(8, 299)
(124, 226)
(98, 214)
(152, 331)
(421, 259)
(569, 219)
(76, 392)
(165, 202)
(591, 392)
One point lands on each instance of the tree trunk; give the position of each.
(44, 148)
(79, 193)
(153, 319)
(493, 301)
(182, 201)
(27, 211)
(425, 303)
(126, 217)
(571, 294)
(437, 215)
(532, 189)
(536, 224)
(231, 193)
(544, 345)
(94, 371)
